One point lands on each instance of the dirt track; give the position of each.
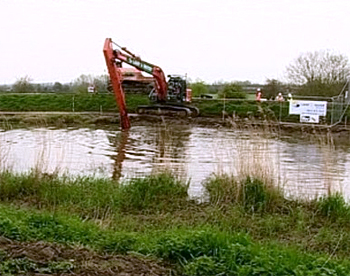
(39, 258)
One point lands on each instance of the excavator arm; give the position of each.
(116, 80)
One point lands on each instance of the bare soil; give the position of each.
(40, 258)
(63, 119)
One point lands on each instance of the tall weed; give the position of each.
(161, 191)
(94, 197)
(333, 207)
(250, 193)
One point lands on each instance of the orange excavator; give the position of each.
(168, 97)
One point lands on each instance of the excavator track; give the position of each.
(171, 110)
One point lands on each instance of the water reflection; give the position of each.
(120, 145)
(303, 167)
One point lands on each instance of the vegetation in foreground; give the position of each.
(245, 228)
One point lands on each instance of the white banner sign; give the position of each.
(318, 108)
(307, 118)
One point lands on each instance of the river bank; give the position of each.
(233, 233)
(23, 119)
(98, 109)
(105, 103)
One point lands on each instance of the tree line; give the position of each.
(79, 85)
(319, 73)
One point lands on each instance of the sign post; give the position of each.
(309, 111)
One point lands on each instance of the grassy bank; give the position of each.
(84, 102)
(246, 227)
(67, 102)
(106, 103)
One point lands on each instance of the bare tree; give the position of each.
(319, 73)
(81, 84)
(23, 85)
(272, 88)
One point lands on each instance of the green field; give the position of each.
(106, 103)
(67, 102)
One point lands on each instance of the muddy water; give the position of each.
(301, 166)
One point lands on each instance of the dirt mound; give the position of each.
(40, 258)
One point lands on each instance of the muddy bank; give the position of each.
(40, 258)
(9, 120)
(269, 126)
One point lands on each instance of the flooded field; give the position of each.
(303, 167)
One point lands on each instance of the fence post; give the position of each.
(73, 104)
(224, 111)
(280, 112)
(332, 114)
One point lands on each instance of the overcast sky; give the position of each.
(210, 40)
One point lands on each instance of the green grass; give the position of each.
(94, 197)
(106, 103)
(161, 192)
(334, 207)
(246, 228)
(251, 193)
(215, 107)
(201, 251)
(65, 102)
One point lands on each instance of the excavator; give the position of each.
(167, 97)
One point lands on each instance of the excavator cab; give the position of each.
(176, 93)
(175, 103)
(176, 89)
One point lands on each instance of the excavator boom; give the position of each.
(155, 71)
